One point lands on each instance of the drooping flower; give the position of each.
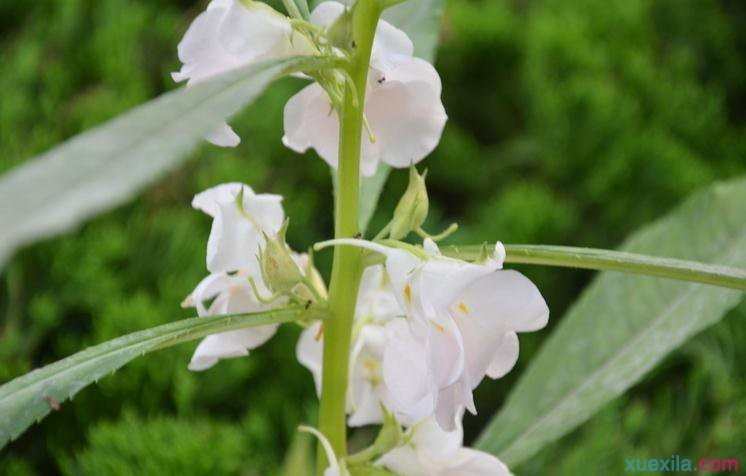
(230, 34)
(241, 218)
(431, 451)
(403, 106)
(462, 320)
(376, 306)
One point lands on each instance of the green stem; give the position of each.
(346, 269)
(589, 258)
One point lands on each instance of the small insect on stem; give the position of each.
(308, 304)
(53, 403)
(358, 235)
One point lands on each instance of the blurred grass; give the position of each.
(572, 122)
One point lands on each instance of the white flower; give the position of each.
(230, 294)
(376, 305)
(461, 325)
(238, 228)
(431, 451)
(403, 105)
(237, 232)
(230, 34)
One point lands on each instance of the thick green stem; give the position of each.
(347, 269)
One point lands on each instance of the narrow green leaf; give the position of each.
(105, 166)
(31, 397)
(303, 8)
(420, 19)
(590, 258)
(623, 325)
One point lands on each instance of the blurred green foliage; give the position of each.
(572, 122)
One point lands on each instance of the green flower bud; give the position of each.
(279, 270)
(411, 211)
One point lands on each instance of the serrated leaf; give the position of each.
(31, 397)
(623, 325)
(103, 167)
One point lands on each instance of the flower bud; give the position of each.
(411, 211)
(279, 270)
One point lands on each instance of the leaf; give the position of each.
(31, 397)
(303, 8)
(623, 325)
(420, 19)
(101, 168)
(591, 258)
(296, 8)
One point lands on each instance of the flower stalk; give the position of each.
(346, 268)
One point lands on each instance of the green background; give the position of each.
(571, 122)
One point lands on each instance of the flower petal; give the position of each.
(326, 13)
(505, 357)
(451, 403)
(223, 136)
(405, 112)
(432, 440)
(229, 344)
(207, 289)
(367, 409)
(208, 200)
(445, 349)
(199, 49)
(266, 209)
(508, 300)
(233, 242)
(237, 233)
(406, 372)
(389, 42)
(469, 462)
(311, 122)
(405, 461)
(254, 31)
(309, 351)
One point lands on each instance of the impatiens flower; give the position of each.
(376, 306)
(230, 34)
(241, 218)
(430, 451)
(461, 325)
(402, 107)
